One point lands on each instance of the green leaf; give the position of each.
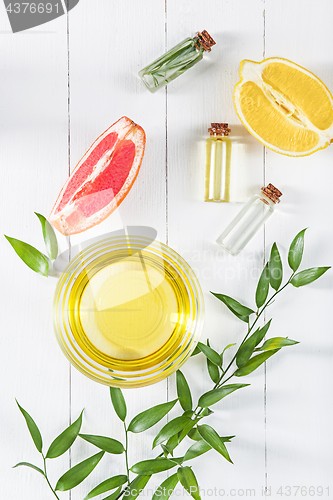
(33, 429)
(242, 312)
(64, 441)
(150, 417)
(206, 412)
(148, 467)
(174, 440)
(171, 444)
(254, 363)
(212, 355)
(166, 451)
(296, 248)
(212, 438)
(225, 349)
(196, 351)
(107, 485)
(114, 496)
(78, 473)
(194, 434)
(226, 439)
(186, 429)
(49, 236)
(164, 491)
(189, 482)
(32, 257)
(104, 443)
(275, 268)
(118, 402)
(197, 449)
(308, 276)
(215, 395)
(262, 287)
(276, 343)
(183, 391)
(31, 466)
(246, 349)
(136, 487)
(213, 371)
(170, 429)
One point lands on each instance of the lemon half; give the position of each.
(284, 106)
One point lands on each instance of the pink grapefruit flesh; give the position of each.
(102, 178)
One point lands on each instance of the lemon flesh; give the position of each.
(284, 106)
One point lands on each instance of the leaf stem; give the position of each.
(221, 381)
(197, 413)
(126, 453)
(122, 493)
(249, 330)
(226, 380)
(47, 479)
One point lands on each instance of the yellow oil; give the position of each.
(129, 310)
(218, 166)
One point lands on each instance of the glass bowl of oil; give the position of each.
(128, 312)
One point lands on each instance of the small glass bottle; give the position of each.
(176, 61)
(218, 163)
(250, 219)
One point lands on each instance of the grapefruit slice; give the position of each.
(284, 106)
(101, 179)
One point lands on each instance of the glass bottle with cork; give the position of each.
(250, 219)
(218, 163)
(176, 61)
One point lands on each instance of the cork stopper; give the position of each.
(272, 193)
(205, 40)
(219, 129)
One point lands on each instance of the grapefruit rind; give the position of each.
(252, 71)
(67, 218)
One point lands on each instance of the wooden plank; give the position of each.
(299, 411)
(119, 39)
(33, 144)
(201, 96)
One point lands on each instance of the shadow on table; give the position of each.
(148, 235)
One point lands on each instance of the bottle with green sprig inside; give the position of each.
(176, 61)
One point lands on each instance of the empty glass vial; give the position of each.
(218, 163)
(176, 61)
(249, 220)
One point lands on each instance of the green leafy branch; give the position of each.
(251, 353)
(61, 444)
(31, 256)
(246, 359)
(57, 448)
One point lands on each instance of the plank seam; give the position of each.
(69, 239)
(166, 154)
(265, 366)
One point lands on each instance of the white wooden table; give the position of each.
(62, 84)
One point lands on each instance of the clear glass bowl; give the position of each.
(128, 312)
